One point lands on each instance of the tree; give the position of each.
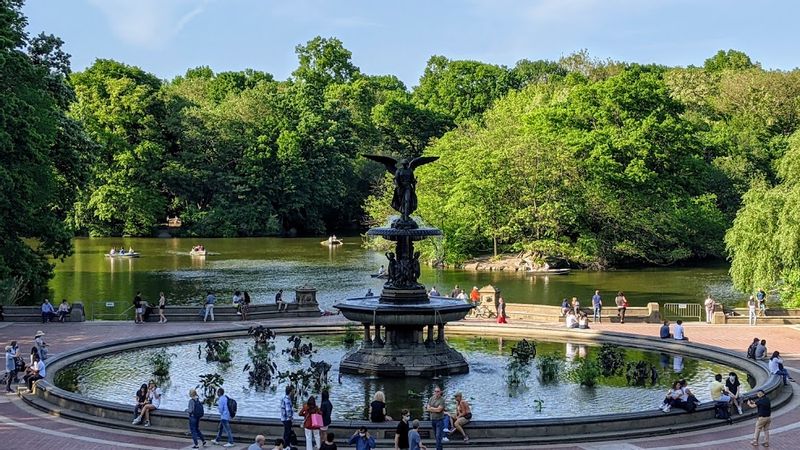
(729, 60)
(38, 147)
(763, 244)
(406, 127)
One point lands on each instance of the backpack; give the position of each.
(232, 407)
(722, 411)
(197, 409)
(751, 351)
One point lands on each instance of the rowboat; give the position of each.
(198, 252)
(549, 271)
(381, 276)
(123, 255)
(332, 242)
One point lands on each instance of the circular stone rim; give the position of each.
(539, 431)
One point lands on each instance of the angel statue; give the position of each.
(404, 199)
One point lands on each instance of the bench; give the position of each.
(34, 313)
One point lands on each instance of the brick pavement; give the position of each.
(23, 427)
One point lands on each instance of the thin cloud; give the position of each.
(148, 23)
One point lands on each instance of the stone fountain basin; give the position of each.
(371, 310)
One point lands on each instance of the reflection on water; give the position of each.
(116, 377)
(264, 265)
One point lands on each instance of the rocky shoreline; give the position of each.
(520, 262)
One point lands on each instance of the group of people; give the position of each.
(574, 315)
(758, 351)
(120, 251)
(142, 308)
(34, 370)
(50, 314)
(679, 334)
(756, 306)
(198, 248)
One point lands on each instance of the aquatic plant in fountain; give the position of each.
(586, 371)
(216, 351)
(549, 367)
(611, 359)
(161, 361)
(640, 372)
(518, 368)
(209, 383)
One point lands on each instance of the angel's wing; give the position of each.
(389, 162)
(416, 162)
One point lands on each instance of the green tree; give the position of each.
(763, 242)
(39, 148)
(729, 60)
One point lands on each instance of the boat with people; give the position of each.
(332, 241)
(548, 271)
(122, 253)
(198, 250)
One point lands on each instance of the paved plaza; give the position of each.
(23, 427)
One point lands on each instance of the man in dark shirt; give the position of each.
(401, 434)
(763, 420)
(137, 306)
(664, 333)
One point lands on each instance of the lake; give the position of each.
(264, 265)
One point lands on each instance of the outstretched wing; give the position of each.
(389, 162)
(416, 162)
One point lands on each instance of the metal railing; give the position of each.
(683, 311)
(96, 315)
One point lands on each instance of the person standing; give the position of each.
(751, 310)
(622, 305)
(137, 306)
(196, 412)
(311, 432)
(282, 306)
(414, 439)
(11, 367)
(325, 408)
(764, 418)
(597, 306)
(474, 295)
(436, 409)
(224, 419)
(401, 432)
(761, 296)
(501, 309)
(245, 305)
(162, 305)
(709, 304)
(40, 345)
(287, 413)
(211, 299)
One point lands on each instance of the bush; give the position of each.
(549, 367)
(586, 371)
(611, 359)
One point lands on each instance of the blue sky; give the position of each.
(166, 37)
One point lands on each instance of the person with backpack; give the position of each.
(751, 350)
(311, 424)
(196, 412)
(226, 413)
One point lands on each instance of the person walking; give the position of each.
(501, 309)
(764, 419)
(287, 413)
(245, 305)
(224, 419)
(401, 432)
(196, 412)
(597, 306)
(709, 304)
(622, 305)
(761, 297)
(210, 300)
(414, 439)
(162, 305)
(436, 409)
(751, 310)
(309, 428)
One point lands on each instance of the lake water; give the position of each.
(264, 265)
(116, 377)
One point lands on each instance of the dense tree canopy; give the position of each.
(600, 162)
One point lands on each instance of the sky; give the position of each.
(167, 37)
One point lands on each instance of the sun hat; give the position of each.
(8, 347)
(39, 333)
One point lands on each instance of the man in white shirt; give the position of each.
(677, 332)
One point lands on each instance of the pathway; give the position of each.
(23, 427)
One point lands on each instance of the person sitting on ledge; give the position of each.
(761, 350)
(381, 270)
(673, 397)
(678, 334)
(48, 313)
(433, 292)
(751, 350)
(776, 367)
(664, 333)
(583, 321)
(572, 321)
(565, 308)
(377, 409)
(63, 310)
(282, 306)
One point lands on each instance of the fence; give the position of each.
(682, 311)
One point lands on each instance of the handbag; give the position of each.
(316, 421)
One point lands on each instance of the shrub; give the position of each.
(550, 367)
(586, 371)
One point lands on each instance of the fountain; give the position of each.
(403, 311)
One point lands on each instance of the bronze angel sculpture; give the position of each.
(404, 199)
